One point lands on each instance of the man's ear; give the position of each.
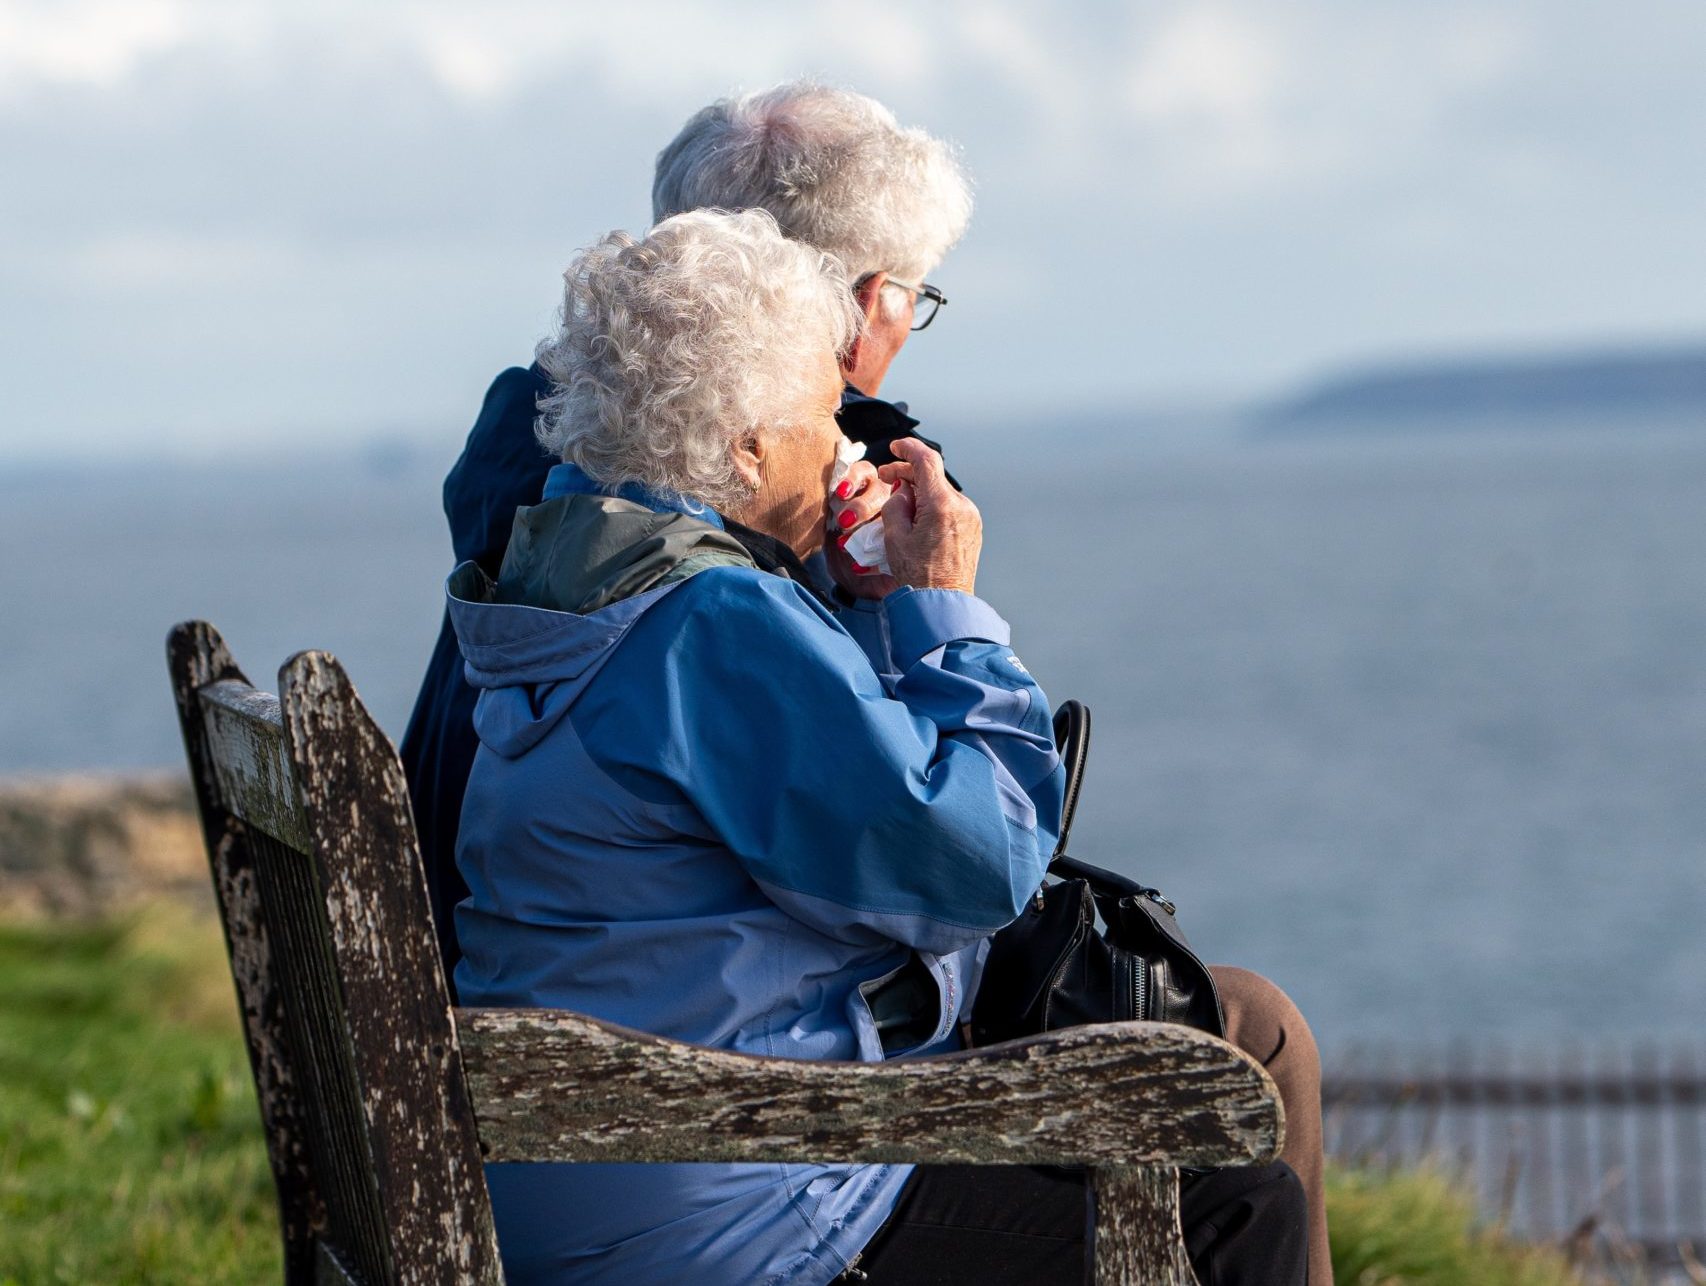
(868, 296)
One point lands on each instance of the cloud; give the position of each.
(1233, 101)
(92, 43)
(1221, 193)
(1212, 63)
(149, 261)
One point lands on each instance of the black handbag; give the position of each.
(1053, 968)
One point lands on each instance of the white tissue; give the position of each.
(847, 454)
(866, 545)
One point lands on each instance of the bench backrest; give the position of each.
(348, 1022)
(370, 1106)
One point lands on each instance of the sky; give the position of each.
(232, 226)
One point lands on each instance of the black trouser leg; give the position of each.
(970, 1224)
(984, 1225)
(1246, 1226)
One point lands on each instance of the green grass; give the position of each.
(130, 1148)
(1419, 1227)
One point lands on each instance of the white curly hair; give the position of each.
(835, 168)
(674, 347)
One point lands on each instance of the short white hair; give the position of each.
(835, 168)
(673, 348)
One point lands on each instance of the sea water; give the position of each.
(1416, 726)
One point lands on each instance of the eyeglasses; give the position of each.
(927, 301)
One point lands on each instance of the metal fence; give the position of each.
(1598, 1150)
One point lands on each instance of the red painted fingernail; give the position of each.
(844, 490)
(846, 519)
(841, 541)
(861, 570)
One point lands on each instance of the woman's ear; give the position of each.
(749, 454)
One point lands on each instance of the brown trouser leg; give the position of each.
(1263, 1022)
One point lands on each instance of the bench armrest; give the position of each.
(550, 1085)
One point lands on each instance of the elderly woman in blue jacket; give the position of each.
(700, 806)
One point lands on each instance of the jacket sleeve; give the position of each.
(867, 624)
(862, 618)
(926, 818)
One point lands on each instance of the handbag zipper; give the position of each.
(1139, 987)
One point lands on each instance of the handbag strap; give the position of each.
(1072, 741)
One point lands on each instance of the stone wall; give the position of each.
(74, 846)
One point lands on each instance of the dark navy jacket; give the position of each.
(502, 467)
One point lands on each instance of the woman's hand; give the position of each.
(934, 534)
(857, 499)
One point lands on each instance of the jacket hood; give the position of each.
(579, 553)
(581, 568)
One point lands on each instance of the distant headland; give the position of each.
(1651, 387)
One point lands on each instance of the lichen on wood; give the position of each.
(553, 1085)
(1138, 1237)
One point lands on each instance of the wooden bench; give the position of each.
(381, 1102)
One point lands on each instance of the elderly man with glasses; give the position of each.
(839, 173)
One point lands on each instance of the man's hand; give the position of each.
(934, 534)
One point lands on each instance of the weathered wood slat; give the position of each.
(1138, 1236)
(329, 1270)
(325, 1071)
(1690, 1165)
(1567, 1089)
(245, 737)
(558, 1086)
(197, 658)
(1616, 1133)
(1542, 1197)
(419, 1124)
(1578, 1146)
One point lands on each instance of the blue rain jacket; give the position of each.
(501, 468)
(700, 812)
